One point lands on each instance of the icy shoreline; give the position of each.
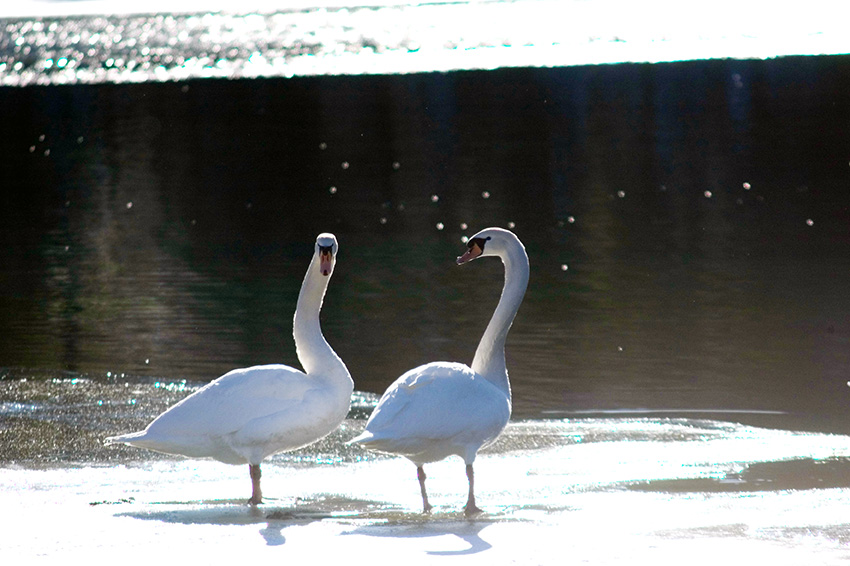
(618, 491)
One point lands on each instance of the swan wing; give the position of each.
(236, 398)
(438, 407)
(208, 422)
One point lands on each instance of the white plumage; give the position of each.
(249, 414)
(437, 410)
(444, 408)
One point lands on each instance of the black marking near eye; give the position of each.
(326, 249)
(477, 242)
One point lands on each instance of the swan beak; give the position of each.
(473, 252)
(326, 262)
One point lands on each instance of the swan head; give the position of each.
(326, 248)
(487, 242)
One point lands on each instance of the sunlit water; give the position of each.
(188, 40)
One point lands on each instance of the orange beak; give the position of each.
(326, 262)
(473, 252)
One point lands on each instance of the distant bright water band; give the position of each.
(46, 42)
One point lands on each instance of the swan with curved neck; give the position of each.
(443, 408)
(249, 414)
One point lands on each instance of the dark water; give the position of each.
(688, 226)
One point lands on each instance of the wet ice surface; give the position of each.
(617, 490)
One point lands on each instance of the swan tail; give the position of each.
(363, 438)
(124, 438)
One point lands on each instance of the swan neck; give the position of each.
(314, 352)
(489, 360)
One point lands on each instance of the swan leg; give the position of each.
(257, 494)
(420, 473)
(471, 509)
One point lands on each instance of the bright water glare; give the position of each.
(109, 41)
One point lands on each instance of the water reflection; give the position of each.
(162, 230)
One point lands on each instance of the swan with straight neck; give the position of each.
(251, 413)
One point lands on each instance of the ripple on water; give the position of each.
(401, 38)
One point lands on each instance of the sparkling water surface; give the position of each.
(107, 41)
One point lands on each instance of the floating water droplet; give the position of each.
(485, 194)
(440, 226)
(383, 220)
(621, 194)
(147, 361)
(511, 225)
(396, 165)
(564, 267)
(810, 222)
(464, 239)
(323, 145)
(571, 219)
(32, 149)
(434, 198)
(332, 190)
(707, 194)
(46, 153)
(344, 165)
(746, 186)
(129, 205)
(463, 226)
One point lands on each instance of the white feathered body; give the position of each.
(437, 410)
(246, 415)
(251, 413)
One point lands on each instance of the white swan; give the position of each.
(442, 408)
(251, 413)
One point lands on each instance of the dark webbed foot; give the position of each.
(472, 511)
